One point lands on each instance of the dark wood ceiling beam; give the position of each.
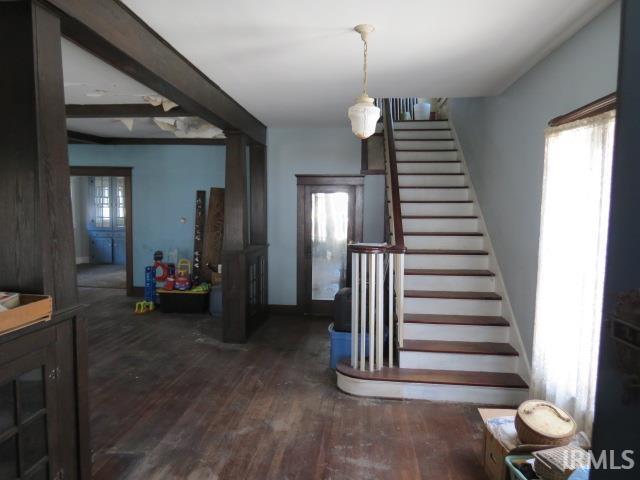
(112, 32)
(86, 138)
(123, 110)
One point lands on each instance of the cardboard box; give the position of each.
(494, 453)
(32, 309)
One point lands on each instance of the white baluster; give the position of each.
(391, 266)
(363, 308)
(354, 309)
(372, 310)
(380, 310)
(400, 299)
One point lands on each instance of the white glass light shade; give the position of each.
(364, 116)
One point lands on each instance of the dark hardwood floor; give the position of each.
(170, 401)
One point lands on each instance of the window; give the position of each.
(102, 199)
(573, 237)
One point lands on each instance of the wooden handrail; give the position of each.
(601, 105)
(398, 233)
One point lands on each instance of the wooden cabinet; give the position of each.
(39, 434)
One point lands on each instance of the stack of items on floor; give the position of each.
(180, 286)
(536, 441)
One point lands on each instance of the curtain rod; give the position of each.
(601, 105)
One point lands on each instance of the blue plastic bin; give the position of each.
(341, 346)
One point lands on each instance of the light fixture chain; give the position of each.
(364, 87)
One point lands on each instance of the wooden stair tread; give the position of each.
(422, 130)
(444, 234)
(421, 139)
(454, 295)
(467, 348)
(428, 161)
(424, 149)
(447, 272)
(475, 320)
(440, 216)
(422, 174)
(443, 187)
(441, 377)
(434, 201)
(428, 251)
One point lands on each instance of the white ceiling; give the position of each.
(89, 80)
(297, 62)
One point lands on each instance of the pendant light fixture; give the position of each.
(364, 114)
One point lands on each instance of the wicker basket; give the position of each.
(555, 430)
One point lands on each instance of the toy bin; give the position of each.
(176, 301)
(512, 461)
(341, 346)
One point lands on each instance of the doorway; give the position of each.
(329, 217)
(102, 227)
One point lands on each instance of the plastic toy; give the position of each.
(160, 265)
(144, 307)
(150, 284)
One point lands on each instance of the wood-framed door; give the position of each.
(128, 217)
(329, 217)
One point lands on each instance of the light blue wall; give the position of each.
(503, 142)
(294, 151)
(164, 183)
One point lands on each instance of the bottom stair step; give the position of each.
(489, 388)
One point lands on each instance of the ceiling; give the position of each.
(299, 63)
(295, 62)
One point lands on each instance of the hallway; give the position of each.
(169, 400)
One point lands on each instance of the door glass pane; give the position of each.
(329, 230)
(120, 202)
(33, 441)
(31, 387)
(102, 200)
(7, 407)
(9, 458)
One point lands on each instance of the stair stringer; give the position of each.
(524, 363)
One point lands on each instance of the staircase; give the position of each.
(455, 343)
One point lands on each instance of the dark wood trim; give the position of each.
(354, 184)
(364, 155)
(330, 179)
(285, 310)
(398, 230)
(137, 292)
(87, 171)
(112, 32)
(258, 198)
(601, 105)
(122, 110)
(372, 172)
(83, 138)
(87, 138)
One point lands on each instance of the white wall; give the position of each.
(503, 142)
(294, 151)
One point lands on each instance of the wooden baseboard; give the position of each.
(285, 310)
(138, 292)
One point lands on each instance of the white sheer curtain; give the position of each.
(573, 237)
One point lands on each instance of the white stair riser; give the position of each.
(440, 224)
(420, 124)
(425, 145)
(452, 306)
(470, 262)
(446, 167)
(437, 242)
(431, 180)
(433, 392)
(449, 283)
(422, 135)
(432, 194)
(459, 361)
(436, 208)
(455, 333)
(428, 156)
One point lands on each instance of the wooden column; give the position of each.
(36, 238)
(235, 241)
(258, 183)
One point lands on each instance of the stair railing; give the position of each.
(377, 276)
(398, 107)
